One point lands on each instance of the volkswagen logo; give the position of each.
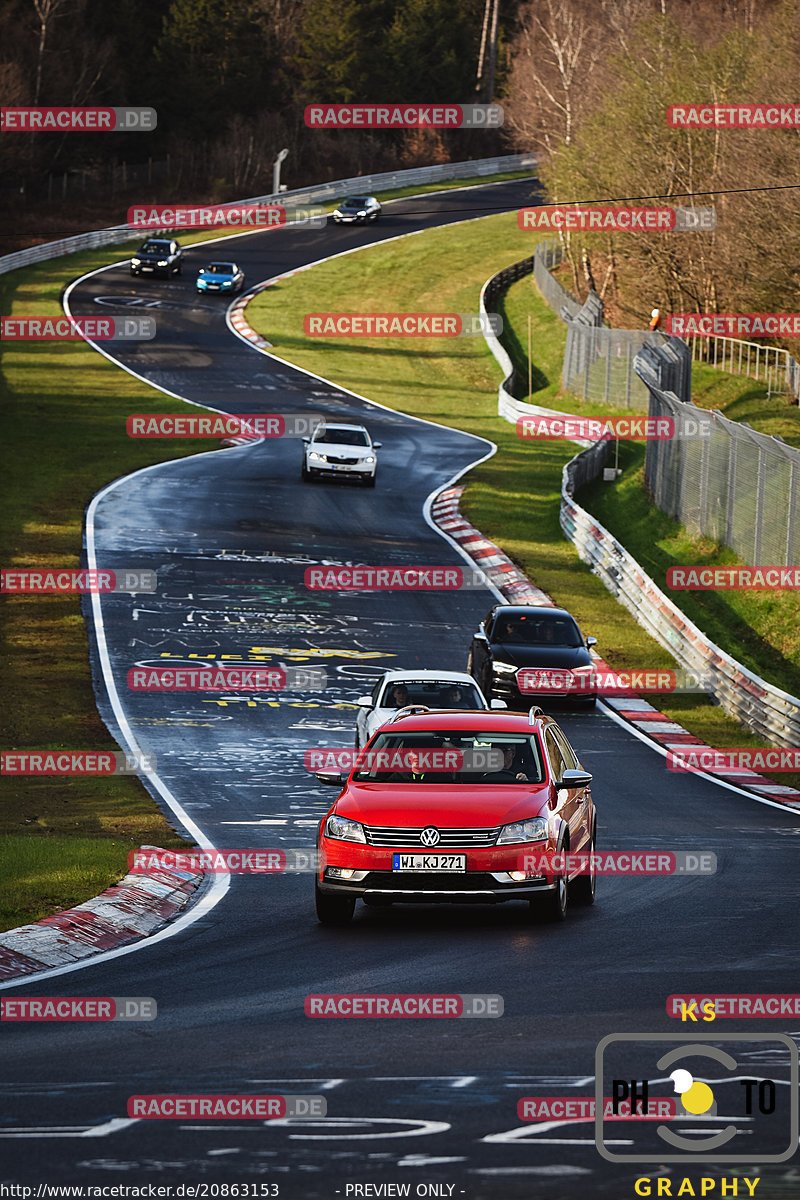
(430, 836)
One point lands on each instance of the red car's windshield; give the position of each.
(451, 757)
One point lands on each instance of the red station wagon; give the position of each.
(455, 807)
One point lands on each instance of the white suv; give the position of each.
(341, 449)
(435, 689)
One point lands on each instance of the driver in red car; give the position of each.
(512, 769)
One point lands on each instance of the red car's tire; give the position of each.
(333, 910)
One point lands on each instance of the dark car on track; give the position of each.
(157, 256)
(523, 651)
(357, 210)
(403, 830)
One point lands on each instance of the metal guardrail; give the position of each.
(765, 709)
(508, 406)
(762, 707)
(767, 363)
(490, 291)
(415, 176)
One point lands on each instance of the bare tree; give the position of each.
(46, 12)
(558, 50)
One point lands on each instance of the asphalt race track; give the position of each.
(409, 1101)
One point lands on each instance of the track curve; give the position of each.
(230, 534)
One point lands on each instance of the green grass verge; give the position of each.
(43, 875)
(63, 424)
(514, 497)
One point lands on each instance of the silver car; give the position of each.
(357, 210)
(434, 689)
(341, 450)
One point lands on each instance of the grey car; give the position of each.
(357, 210)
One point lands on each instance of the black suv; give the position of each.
(157, 256)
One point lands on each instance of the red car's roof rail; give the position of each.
(408, 711)
(534, 713)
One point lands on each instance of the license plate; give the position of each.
(429, 862)
(147, 268)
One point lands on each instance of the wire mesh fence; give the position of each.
(598, 362)
(723, 480)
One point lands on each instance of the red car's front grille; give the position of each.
(449, 839)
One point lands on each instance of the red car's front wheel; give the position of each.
(333, 910)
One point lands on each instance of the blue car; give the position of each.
(220, 277)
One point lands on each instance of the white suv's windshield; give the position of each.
(432, 693)
(341, 437)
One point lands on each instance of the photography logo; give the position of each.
(736, 1096)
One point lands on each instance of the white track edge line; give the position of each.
(723, 783)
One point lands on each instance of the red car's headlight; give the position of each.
(532, 830)
(344, 830)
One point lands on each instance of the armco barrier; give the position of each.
(765, 709)
(413, 177)
(598, 361)
(507, 405)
